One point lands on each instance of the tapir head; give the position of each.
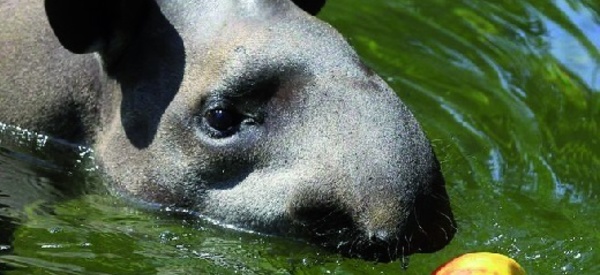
(255, 113)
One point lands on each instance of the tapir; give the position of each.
(253, 113)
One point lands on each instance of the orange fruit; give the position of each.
(480, 263)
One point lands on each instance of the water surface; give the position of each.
(508, 92)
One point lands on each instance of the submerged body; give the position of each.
(253, 113)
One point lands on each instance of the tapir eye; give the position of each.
(223, 122)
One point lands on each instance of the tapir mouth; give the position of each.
(428, 228)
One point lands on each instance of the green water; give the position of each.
(508, 92)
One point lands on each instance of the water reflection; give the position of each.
(34, 169)
(506, 90)
(573, 34)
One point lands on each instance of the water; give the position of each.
(508, 92)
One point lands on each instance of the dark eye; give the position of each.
(223, 121)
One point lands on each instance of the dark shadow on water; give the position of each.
(7, 227)
(35, 171)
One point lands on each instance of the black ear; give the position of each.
(311, 6)
(84, 26)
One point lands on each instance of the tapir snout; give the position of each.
(253, 113)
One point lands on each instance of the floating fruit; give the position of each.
(480, 263)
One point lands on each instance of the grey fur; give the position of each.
(331, 154)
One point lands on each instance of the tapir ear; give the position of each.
(84, 26)
(311, 6)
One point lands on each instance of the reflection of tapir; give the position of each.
(251, 112)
